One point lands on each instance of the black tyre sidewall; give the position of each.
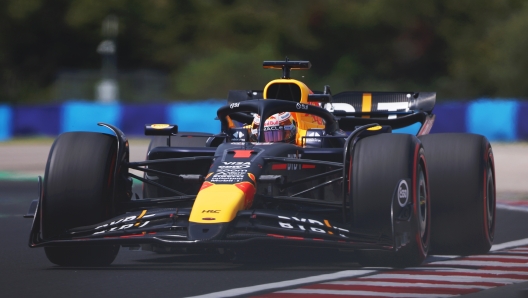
(458, 167)
(82, 256)
(379, 163)
(77, 191)
(78, 181)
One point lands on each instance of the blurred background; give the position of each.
(146, 60)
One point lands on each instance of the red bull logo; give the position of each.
(249, 192)
(206, 184)
(252, 177)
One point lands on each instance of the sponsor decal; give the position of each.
(124, 223)
(123, 227)
(393, 107)
(301, 106)
(403, 193)
(315, 136)
(271, 122)
(231, 172)
(291, 166)
(252, 177)
(312, 225)
(238, 135)
(249, 192)
(159, 126)
(235, 165)
(273, 128)
(210, 211)
(331, 107)
(234, 105)
(284, 116)
(206, 184)
(229, 176)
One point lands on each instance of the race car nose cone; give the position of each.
(200, 231)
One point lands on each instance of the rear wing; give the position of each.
(356, 108)
(396, 109)
(383, 104)
(360, 103)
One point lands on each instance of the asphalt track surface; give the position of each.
(26, 272)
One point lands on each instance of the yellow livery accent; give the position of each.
(159, 126)
(142, 214)
(366, 105)
(304, 90)
(230, 122)
(217, 203)
(304, 121)
(377, 127)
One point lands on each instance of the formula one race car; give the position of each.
(290, 167)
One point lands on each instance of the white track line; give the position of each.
(399, 284)
(288, 283)
(462, 270)
(362, 293)
(458, 279)
(512, 207)
(510, 244)
(497, 256)
(323, 278)
(463, 262)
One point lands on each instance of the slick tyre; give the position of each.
(78, 185)
(378, 166)
(462, 181)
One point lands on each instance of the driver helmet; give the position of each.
(277, 128)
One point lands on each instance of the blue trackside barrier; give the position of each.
(134, 117)
(195, 116)
(84, 116)
(498, 120)
(522, 121)
(450, 117)
(37, 120)
(5, 122)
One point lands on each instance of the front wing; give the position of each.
(169, 227)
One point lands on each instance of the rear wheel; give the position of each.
(380, 166)
(78, 185)
(462, 176)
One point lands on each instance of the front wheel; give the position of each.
(380, 165)
(78, 185)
